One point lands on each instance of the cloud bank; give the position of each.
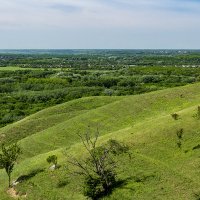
(102, 20)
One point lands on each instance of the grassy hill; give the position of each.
(157, 169)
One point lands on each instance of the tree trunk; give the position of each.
(9, 179)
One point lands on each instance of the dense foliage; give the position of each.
(37, 81)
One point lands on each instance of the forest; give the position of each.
(32, 81)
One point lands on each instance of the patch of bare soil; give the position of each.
(14, 194)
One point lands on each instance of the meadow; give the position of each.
(157, 168)
(141, 118)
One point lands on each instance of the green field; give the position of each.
(14, 68)
(157, 169)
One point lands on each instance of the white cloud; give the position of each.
(93, 13)
(77, 17)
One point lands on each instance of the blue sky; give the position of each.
(100, 24)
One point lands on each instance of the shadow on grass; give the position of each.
(197, 196)
(196, 147)
(62, 183)
(30, 175)
(118, 184)
(123, 183)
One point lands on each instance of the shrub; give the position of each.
(179, 135)
(53, 159)
(175, 116)
(96, 187)
(98, 169)
(179, 144)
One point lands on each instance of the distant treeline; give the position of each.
(100, 59)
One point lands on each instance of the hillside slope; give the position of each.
(158, 169)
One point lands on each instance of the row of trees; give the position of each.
(100, 59)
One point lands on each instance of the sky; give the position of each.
(99, 24)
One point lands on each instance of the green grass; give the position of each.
(15, 68)
(51, 117)
(158, 169)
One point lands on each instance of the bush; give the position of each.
(96, 187)
(52, 159)
(98, 170)
(179, 135)
(175, 116)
